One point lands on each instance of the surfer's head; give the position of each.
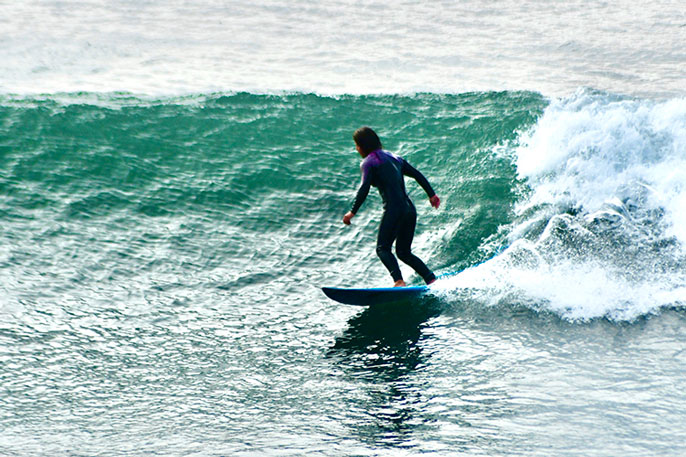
(366, 141)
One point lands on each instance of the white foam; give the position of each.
(603, 229)
(590, 149)
(572, 288)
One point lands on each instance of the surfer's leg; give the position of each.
(384, 242)
(403, 246)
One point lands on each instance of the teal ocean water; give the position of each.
(162, 258)
(172, 182)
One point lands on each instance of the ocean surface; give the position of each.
(172, 181)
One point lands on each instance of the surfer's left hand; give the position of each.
(435, 201)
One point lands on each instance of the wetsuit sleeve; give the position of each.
(363, 191)
(412, 172)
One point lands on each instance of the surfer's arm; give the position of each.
(412, 172)
(363, 191)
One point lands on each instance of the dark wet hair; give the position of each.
(367, 140)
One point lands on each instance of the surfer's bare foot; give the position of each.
(399, 283)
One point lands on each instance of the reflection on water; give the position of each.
(381, 347)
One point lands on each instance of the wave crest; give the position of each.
(600, 229)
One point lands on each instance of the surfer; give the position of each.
(386, 172)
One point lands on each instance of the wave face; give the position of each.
(108, 191)
(599, 228)
(580, 198)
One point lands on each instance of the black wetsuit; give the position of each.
(386, 171)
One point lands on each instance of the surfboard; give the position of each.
(374, 296)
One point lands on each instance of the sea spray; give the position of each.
(599, 228)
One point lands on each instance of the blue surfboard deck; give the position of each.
(374, 296)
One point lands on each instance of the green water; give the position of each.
(252, 186)
(160, 266)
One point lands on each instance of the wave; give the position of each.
(581, 197)
(599, 229)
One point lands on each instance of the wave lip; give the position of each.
(590, 149)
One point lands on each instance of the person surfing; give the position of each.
(386, 172)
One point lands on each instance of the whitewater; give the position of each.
(172, 181)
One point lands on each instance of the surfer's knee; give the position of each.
(403, 254)
(382, 251)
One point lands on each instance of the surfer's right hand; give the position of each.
(346, 219)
